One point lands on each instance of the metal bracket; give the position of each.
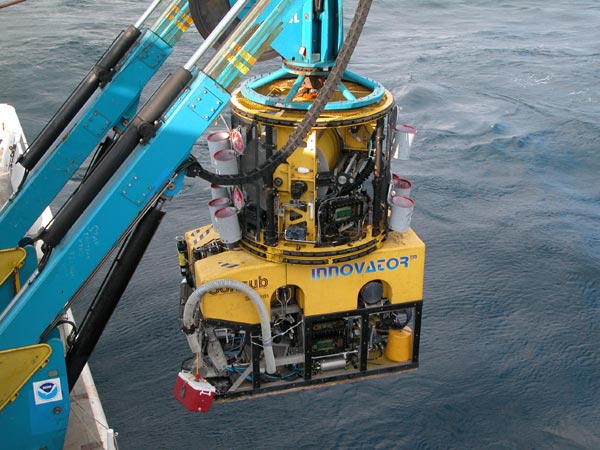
(17, 366)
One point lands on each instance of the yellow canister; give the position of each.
(399, 345)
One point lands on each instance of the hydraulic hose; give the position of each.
(100, 74)
(110, 294)
(311, 116)
(193, 301)
(142, 127)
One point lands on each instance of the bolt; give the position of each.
(57, 410)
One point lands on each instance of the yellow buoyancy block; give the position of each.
(399, 345)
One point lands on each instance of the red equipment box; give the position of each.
(195, 395)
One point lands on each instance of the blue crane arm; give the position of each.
(143, 177)
(111, 106)
(146, 173)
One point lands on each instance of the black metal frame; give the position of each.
(308, 380)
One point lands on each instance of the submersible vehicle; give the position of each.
(308, 272)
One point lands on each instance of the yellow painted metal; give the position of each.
(17, 365)
(320, 289)
(399, 264)
(303, 253)
(230, 305)
(275, 115)
(11, 260)
(264, 277)
(399, 345)
(319, 155)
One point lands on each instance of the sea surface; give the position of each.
(506, 174)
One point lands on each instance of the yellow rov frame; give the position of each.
(343, 291)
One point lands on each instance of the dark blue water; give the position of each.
(506, 168)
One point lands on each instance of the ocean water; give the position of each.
(506, 174)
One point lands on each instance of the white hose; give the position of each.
(196, 297)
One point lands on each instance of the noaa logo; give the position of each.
(47, 391)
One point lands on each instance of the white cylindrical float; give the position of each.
(399, 187)
(228, 225)
(214, 205)
(402, 208)
(218, 140)
(218, 191)
(226, 162)
(403, 139)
